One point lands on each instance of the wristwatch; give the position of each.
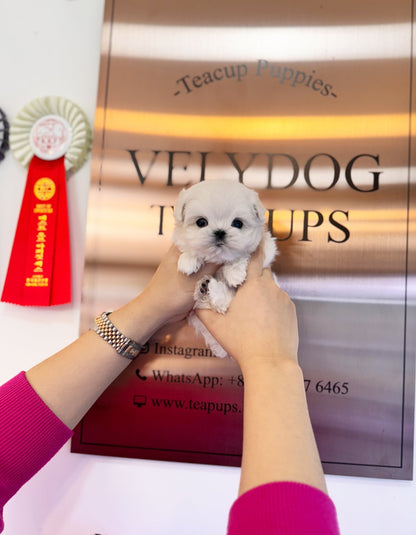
(124, 346)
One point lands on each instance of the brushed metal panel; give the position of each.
(311, 104)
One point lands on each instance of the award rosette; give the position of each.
(51, 135)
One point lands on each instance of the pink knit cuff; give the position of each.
(30, 435)
(283, 508)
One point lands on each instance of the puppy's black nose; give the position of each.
(219, 234)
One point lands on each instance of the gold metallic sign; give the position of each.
(310, 103)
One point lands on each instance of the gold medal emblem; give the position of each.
(44, 189)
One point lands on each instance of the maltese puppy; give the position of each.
(220, 222)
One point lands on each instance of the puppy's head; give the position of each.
(218, 221)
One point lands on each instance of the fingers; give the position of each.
(211, 319)
(171, 255)
(207, 269)
(205, 314)
(255, 265)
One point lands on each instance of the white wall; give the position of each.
(52, 47)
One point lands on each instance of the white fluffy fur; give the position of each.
(220, 222)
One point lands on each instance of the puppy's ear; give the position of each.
(258, 208)
(179, 212)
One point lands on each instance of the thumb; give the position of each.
(255, 265)
(207, 315)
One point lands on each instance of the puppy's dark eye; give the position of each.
(201, 222)
(237, 223)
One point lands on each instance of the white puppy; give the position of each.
(220, 222)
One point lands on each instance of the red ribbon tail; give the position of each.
(61, 280)
(39, 272)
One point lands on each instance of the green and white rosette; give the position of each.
(50, 136)
(51, 126)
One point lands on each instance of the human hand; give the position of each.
(260, 326)
(170, 291)
(167, 298)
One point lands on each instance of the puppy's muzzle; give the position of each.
(219, 236)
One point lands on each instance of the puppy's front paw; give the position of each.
(234, 274)
(220, 295)
(188, 263)
(211, 293)
(201, 293)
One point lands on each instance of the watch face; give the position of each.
(4, 134)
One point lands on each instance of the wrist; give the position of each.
(139, 319)
(272, 368)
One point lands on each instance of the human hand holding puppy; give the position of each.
(260, 326)
(260, 332)
(170, 293)
(221, 222)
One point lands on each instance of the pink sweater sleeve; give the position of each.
(283, 508)
(30, 435)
